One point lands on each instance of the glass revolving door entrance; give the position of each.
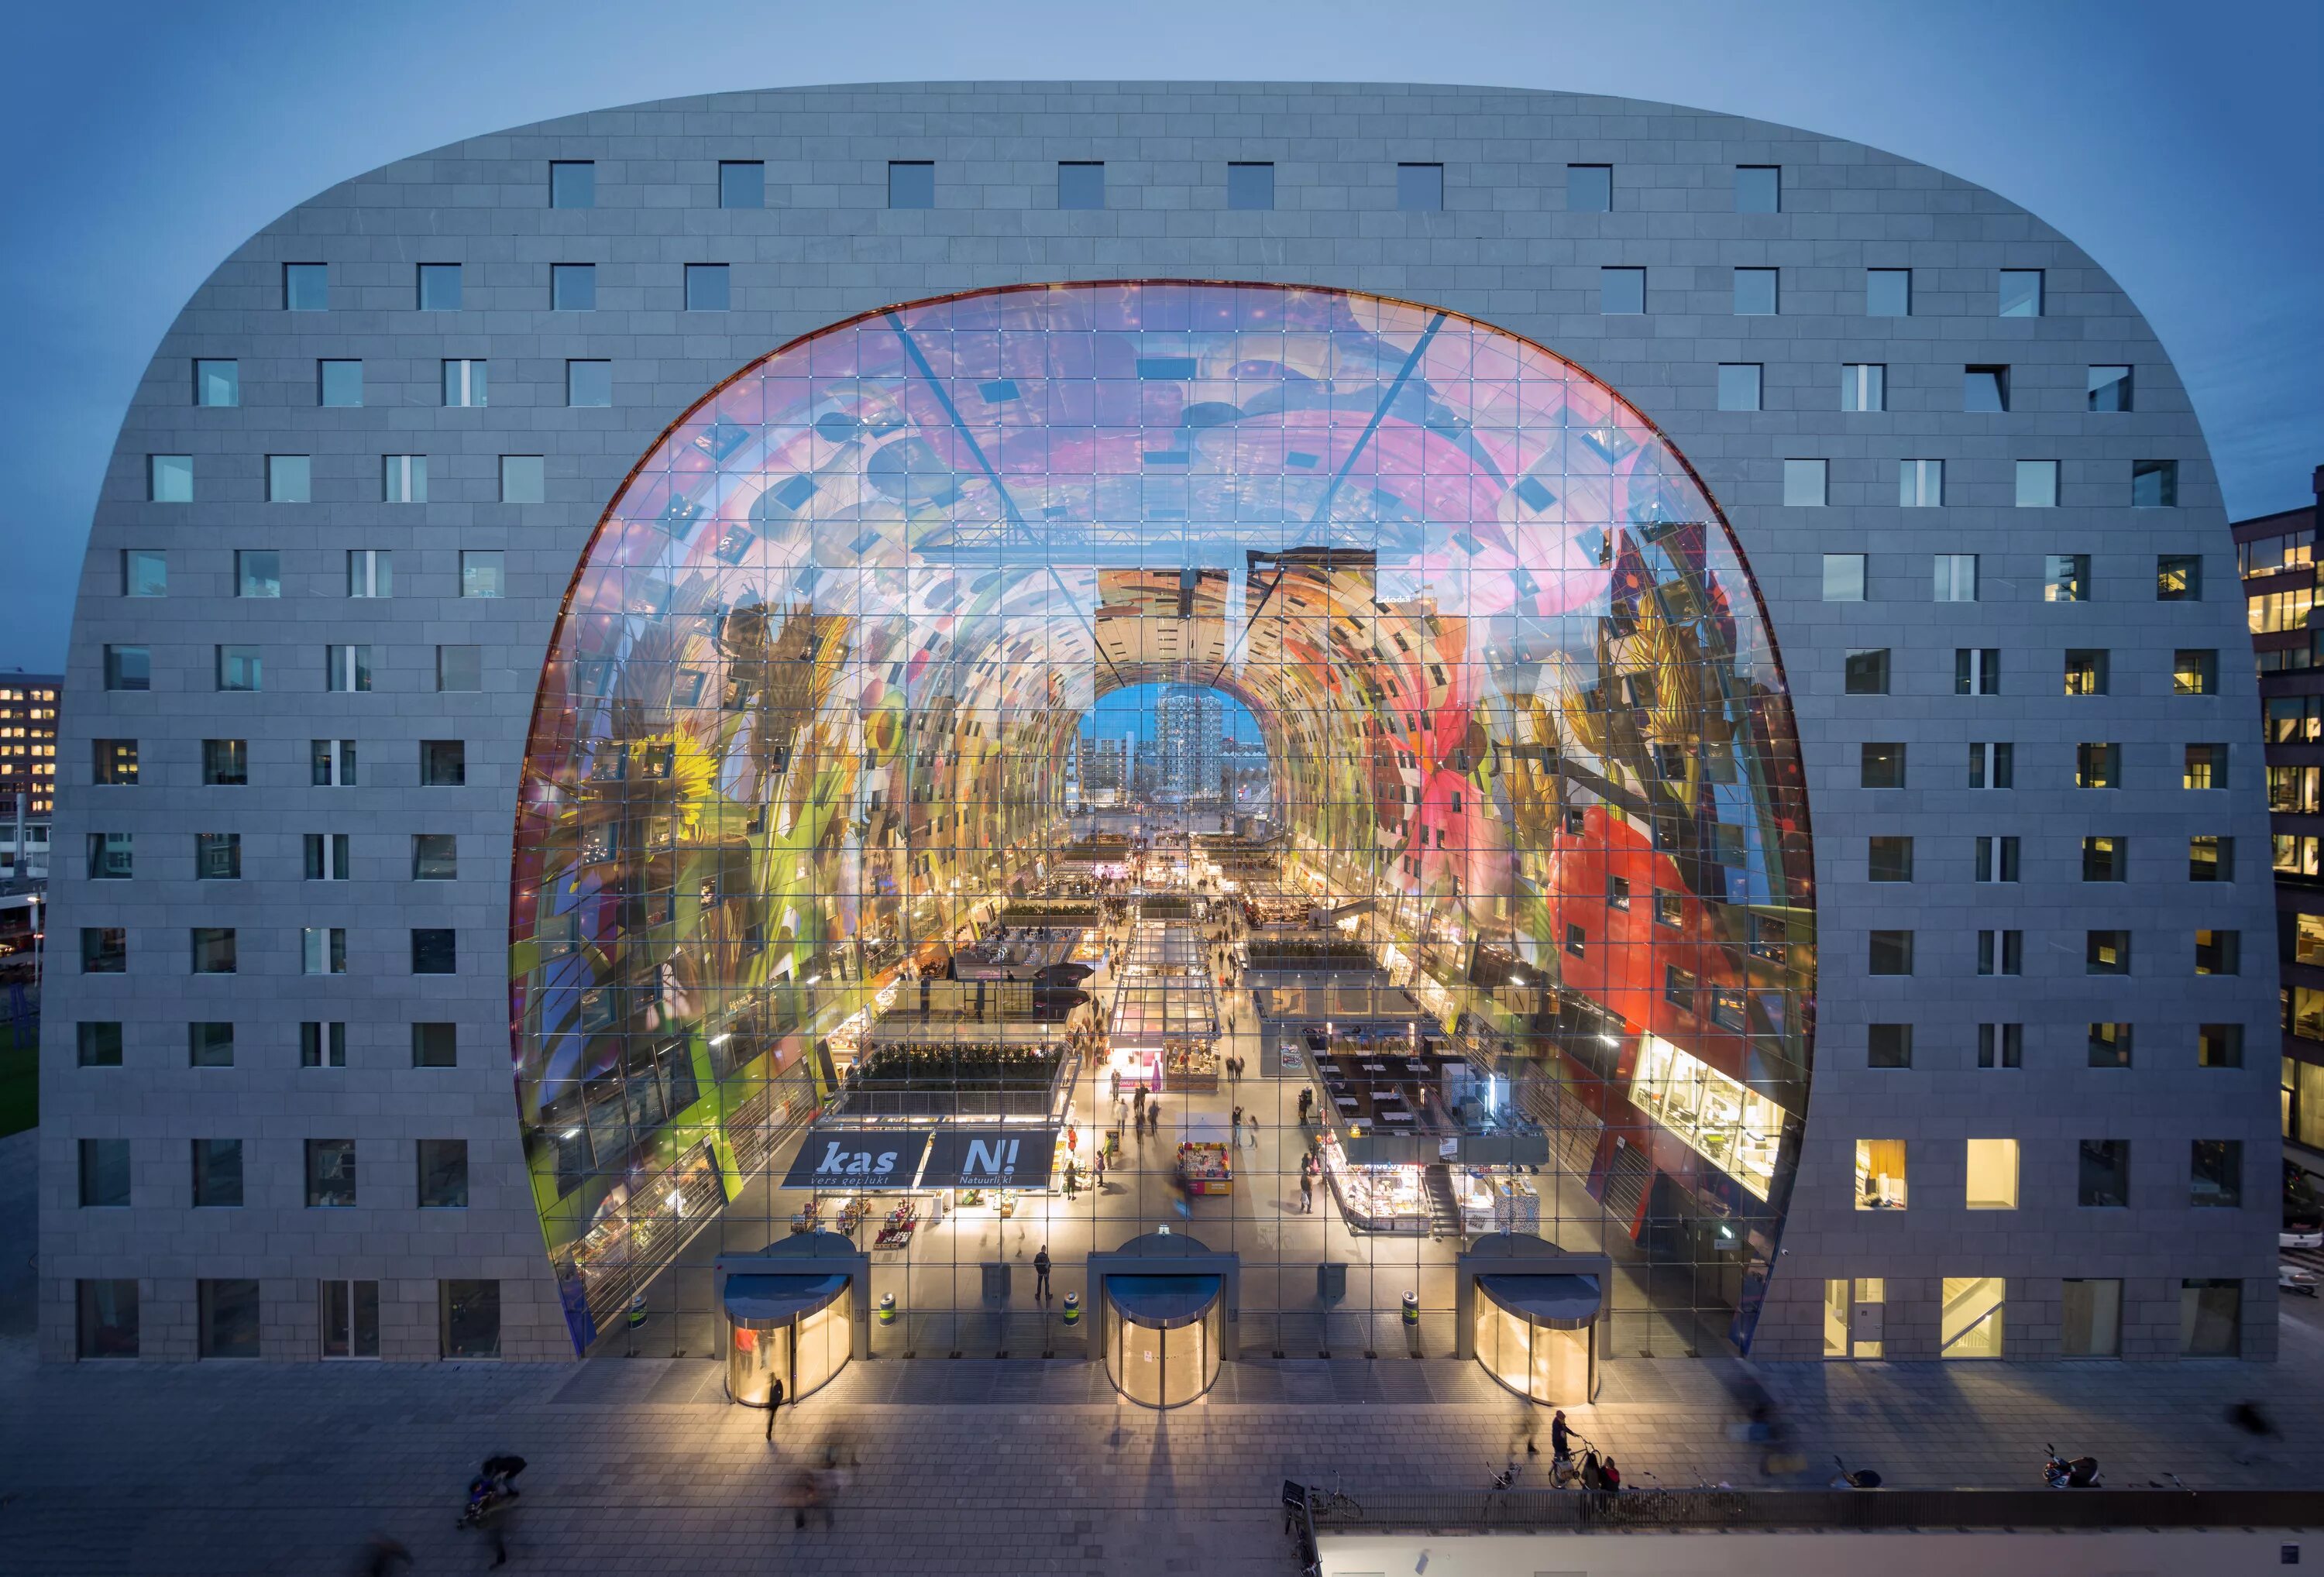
(792, 1328)
(1538, 1335)
(1163, 1348)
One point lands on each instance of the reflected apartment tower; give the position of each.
(28, 772)
(1105, 769)
(1188, 724)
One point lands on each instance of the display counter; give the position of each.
(1376, 1199)
(1205, 1167)
(1190, 1066)
(1494, 1201)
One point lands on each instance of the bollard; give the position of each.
(1412, 1325)
(1072, 1308)
(887, 1308)
(637, 1316)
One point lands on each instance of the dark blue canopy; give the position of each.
(768, 1302)
(1561, 1303)
(1162, 1302)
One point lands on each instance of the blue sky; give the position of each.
(2180, 148)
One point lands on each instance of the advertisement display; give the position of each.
(865, 1160)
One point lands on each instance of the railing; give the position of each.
(1582, 1511)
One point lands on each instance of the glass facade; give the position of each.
(807, 749)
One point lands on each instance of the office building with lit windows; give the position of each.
(587, 631)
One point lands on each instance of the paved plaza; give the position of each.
(638, 1464)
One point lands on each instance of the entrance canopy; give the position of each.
(1162, 1302)
(768, 1303)
(1557, 1303)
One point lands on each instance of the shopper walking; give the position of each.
(1254, 1131)
(1306, 1195)
(1041, 1275)
(1234, 1125)
(774, 1401)
(1072, 1185)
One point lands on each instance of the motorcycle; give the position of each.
(2079, 1472)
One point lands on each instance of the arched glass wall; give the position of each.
(811, 732)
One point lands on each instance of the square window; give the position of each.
(442, 763)
(1589, 189)
(323, 949)
(436, 1045)
(144, 573)
(571, 183)
(2154, 483)
(307, 287)
(338, 382)
(217, 856)
(2086, 671)
(439, 287)
(1955, 577)
(467, 383)
(2219, 951)
(2105, 857)
(332, 763)
(2105, 1175)
(1891, 953)
(1804, 483)
(1969, 1316)
(2021, 292)
(1251, 186)
(1618, 893)
(524, 478)
(328, 856)
(128, 668)
(213, 951)
(741, 183)
(97, 1043)
(331, 1174)
(2195, 671)
(483, 572)
(1880, 1174)
(1887, 293)
(104, 1174)
(1419, 187)
(1881, 766)
(106, 1323)
(403, 478)
(2037, 485)
(2211, 1318)
(2001, 952)
(572, 287)
(226, 764)
(1621, 290)
(1678, 987)
(113, 762)
(2098, 766)
(350, 1319)
(469, 1319)
(2089, 1318)
(257, 573)
(1843, 578)
(1863, 386)
(1758, 189)
(1888, 1045)
(1996, 859)
(1992, 1174)
(1868, 672)
(2066, 577)
(218, 383)
(371, 572)
(1081, 184)
(459, 667)
(2211, 858)
(104, 950)
(289, 479)
(2106, 952)
(2219, 1045)
(435, 857)
(1577, 941)
(2206, 767)
(2109, 389)
(1755, 293)
(1920, 483)
(434, 952)
(239, 667)
(217, 1174)
(705, 288)
(1889, 859)
(1985, 390)
(443, 1173)
(2000, 1046)
(911, 183)
(322, 1045)
(169, 478)
(1738, 386)
(346, 669)
(2178, 577)
(591, 383)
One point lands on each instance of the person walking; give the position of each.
(1254, 1131)
(774, 1401)
(1099, 1169)
(1041, 1275)
(1306, 1193)
(1234, 1126)
(1071, 1183)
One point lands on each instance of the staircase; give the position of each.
(1443, 1205)
(1626, 1186)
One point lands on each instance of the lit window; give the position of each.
(2066, 577)
(2178, 577)
(2206, 767)
(2106, 857)
(2195, 671)
(1880, 1174)
(2086, 672)
(1970, 1317)
(2211, 858)
(2106, 953)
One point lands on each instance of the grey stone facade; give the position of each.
(826, 246)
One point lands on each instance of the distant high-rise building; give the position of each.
(1188, 724)
(1105, 769)
(28, 772)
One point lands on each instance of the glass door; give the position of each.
(350, 1319)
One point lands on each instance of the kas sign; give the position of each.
(992, 1158)
(858, 1158)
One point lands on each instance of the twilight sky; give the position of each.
(2179, 147)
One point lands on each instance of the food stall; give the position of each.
(1375, 1199)
(1205, 1155)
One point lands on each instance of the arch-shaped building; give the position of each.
(622, 595)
